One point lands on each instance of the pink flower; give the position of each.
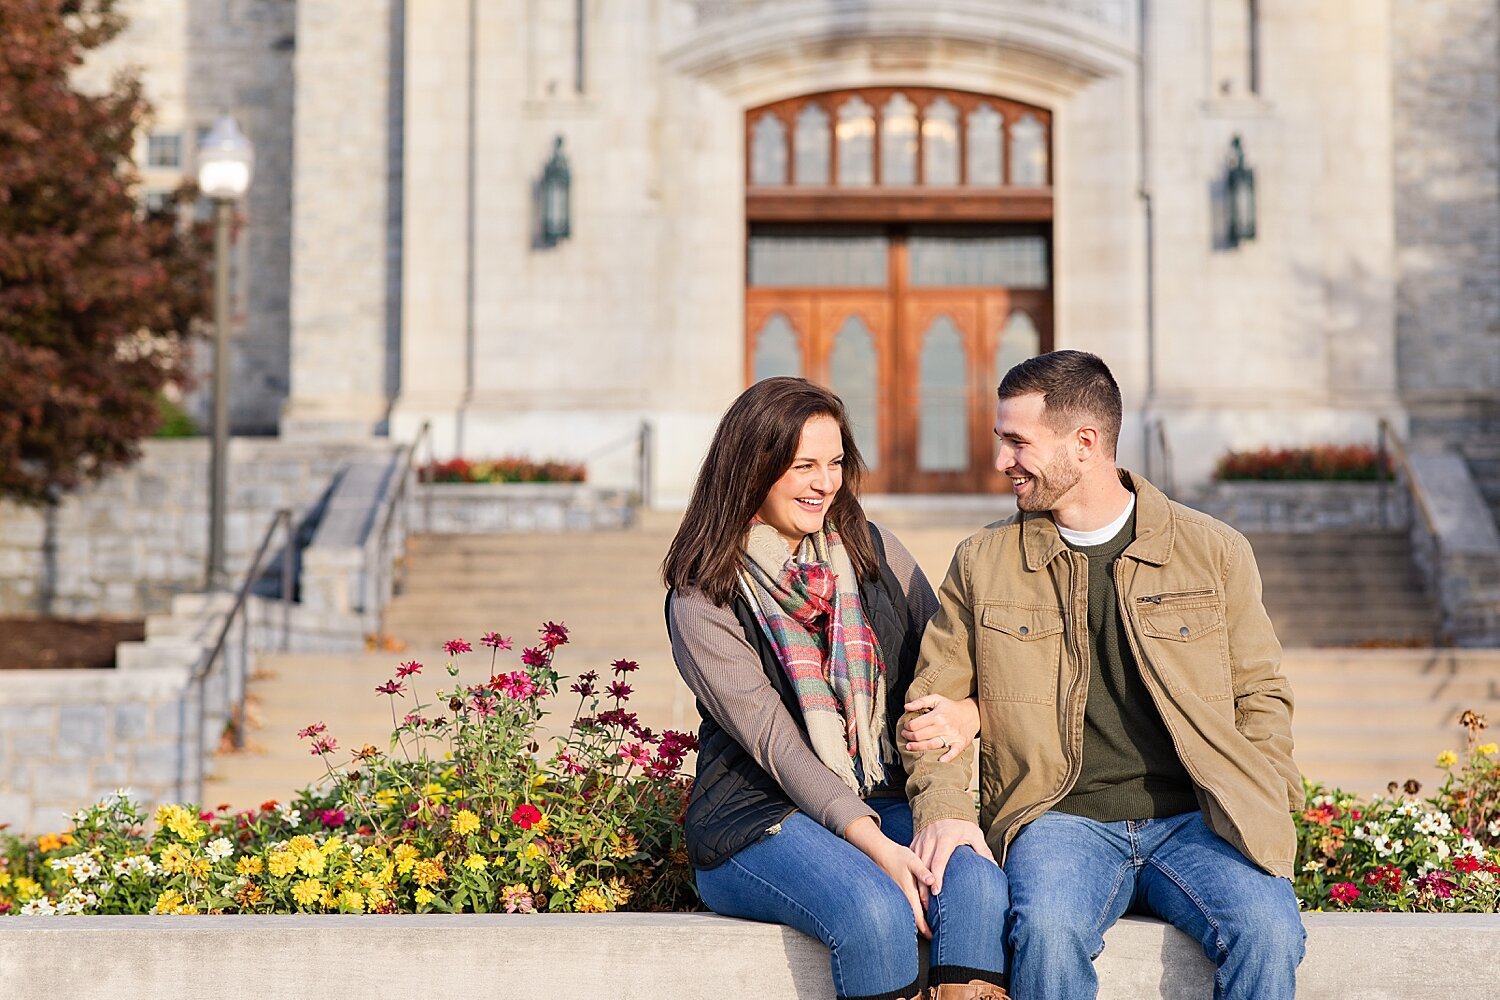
(534, 657)
(311, 731)
(1345, 893)
(495, 640)
(408, 668)
(553, 635)
(515, 685)
(413, 719)
(582, 687)
(619, 690)
(570, 766)
(517, 899)
(324, 744)
(635, 754)
(625, 666)
(334, 817)
(483, 706)
(526, 816)
(390, 687)
(456, 646)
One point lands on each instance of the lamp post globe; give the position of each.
(226, 163)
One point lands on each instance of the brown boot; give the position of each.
(977, 989)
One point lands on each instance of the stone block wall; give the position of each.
(469, 508)
(1307, 506)
(125, 546)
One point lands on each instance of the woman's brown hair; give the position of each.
(755, 443)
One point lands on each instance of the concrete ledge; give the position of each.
(651, 957)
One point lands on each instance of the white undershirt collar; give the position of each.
(1087, 539)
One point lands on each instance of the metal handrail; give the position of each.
(398, 496)
(234, 707)
(1157, 426)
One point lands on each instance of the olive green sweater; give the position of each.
(1130, 767)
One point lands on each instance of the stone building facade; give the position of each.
(413, 286)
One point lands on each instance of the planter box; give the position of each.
(650, 957)
(1307, 505)
(478, 508)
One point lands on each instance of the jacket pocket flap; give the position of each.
(1181, 624)
(1023, 623)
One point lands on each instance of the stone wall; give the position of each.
(473, 508)
(1447, 176)
(124, 546)
(1307, 506)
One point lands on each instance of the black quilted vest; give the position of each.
(734, 801)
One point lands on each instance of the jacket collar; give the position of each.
(1155, 528)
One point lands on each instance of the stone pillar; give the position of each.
(345, 219)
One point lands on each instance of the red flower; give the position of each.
(526, 816)
(390, 687)
(408, 668)
(1467, 863)
(269, 805)
(553, 635)
(310, 731)
(534, 657)
(625, 666)
(495, 640)
(1345, 893)
(456, 646)
(618, 690)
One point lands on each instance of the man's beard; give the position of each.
(1050, 485)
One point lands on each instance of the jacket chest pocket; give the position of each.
(1020, 653)
(1189, 645)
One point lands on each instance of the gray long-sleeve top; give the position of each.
(724, 671)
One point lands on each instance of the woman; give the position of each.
(797, 626)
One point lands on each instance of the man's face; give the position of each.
(1033, 455)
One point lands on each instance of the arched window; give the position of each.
(940, 144)
(1028, 152)
(898, 142)
(852, 374)
(768, 151)
(812, 145)
(856, 142)
(776, 350)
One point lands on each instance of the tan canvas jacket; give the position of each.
(1012, 628)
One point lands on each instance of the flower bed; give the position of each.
(462, 813)
(1321, 462)
(502, 470)
(459, 814)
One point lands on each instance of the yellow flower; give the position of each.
(312, 862)
(308, 891)
(591, 900)
(465, 822)
(386, 797)
(26, 888)
(48, 842)
(406, 856)
(249, 866)
(301, 844)
(387, 873)
(175, 858)
(1447, 758)
(433, 790)
(283, 863)
(424, 897)
(619, 892)
(199, 868)
(475, 862)
(1486, 748)
(563, 879)
(542, 825)
(171, 901)
(351, 900)
(532, 852)
(4, 879)
(539, 781)
(430, 872)
(66, 838)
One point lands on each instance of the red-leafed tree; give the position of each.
(96, 300)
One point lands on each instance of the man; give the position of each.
(1135, 729)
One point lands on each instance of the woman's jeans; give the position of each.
(813, 880)
(1071, 878)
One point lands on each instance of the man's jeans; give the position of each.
(1071, 878)
(821, 884)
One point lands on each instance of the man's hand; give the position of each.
(944, 724)
(900, 863)
(937, 842)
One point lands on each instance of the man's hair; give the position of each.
(1076, 387)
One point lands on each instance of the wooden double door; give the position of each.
(914, 343)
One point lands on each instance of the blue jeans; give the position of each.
(1071, 878)
(811, 879)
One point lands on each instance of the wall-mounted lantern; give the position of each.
(554, 197)
(1239, 195)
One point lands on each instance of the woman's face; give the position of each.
(799, 500)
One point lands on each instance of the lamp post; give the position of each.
(226, 161)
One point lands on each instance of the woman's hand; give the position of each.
(946, 725)
(903, 866)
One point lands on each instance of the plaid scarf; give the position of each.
(808, 606)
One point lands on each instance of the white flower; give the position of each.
(1474, 847)
(85, 868)
(39, 908)
(75, 902)
(58, 864)
(1313, 866)
(1385, 846)
(80, 817)
(1408, 809)
(293, 817)
(1495, 828)
(1322, 800)
(1441, 846)
(219, 849)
